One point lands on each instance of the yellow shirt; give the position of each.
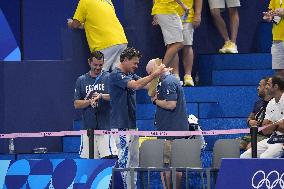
(277, 30)
(189, 4)
(164, 7)
(102, 26)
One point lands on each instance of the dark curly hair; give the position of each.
(96, 54)
(130, 53)
(279, 80)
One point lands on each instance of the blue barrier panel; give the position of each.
(7, 156)
(49, 155)
(77, 124)
(56, 173)
(251, 173)
(71, 143)
(146, 125)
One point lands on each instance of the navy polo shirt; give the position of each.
(122, 100)
(170, 89)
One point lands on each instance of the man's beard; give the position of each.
(261, 95)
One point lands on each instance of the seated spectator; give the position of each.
(215, 8)
(274, 112)
(275, 14)
(257, 115)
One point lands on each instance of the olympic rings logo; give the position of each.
(271, 180)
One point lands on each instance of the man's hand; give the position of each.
(74, 24)
(196, 20)
(159, 70)
(94, 100)
(69, 23)
(153, 98)
(253, 122)
(279, 12)
(268, 16)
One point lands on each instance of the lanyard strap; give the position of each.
(96, 81)
(98, 77)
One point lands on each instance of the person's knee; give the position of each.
(280, 72)
(179, 45)
(233, 11)
(215, 13)
(265, 156)
(175, 46)
(246, 154)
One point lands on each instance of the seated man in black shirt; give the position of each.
(257, 115)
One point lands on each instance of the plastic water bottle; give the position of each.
(11, 146)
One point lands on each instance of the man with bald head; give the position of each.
(171, 110)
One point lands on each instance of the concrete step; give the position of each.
(209, 63)
(239, 77)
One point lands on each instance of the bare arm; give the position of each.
(74, 24)
(197, 13)
(280, 126)
(267, 16)
(169, 105)
(105, 97)
(154, 21)
(140, 83)
(251, 120)
(80, 104)
(279, 12)
(269, 129)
